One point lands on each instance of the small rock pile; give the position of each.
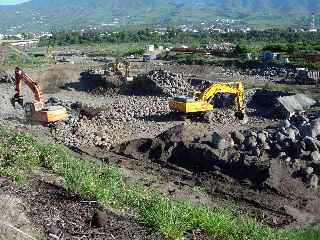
(270, 71)
(5, 77)
(160, 82)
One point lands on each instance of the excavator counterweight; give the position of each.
(201, 102)
(37, 110)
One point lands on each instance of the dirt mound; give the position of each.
(160, 82)
(56, 77)
(250, 167)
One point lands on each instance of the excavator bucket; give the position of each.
(16, 101)
(240, 115)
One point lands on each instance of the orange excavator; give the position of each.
(37, 110)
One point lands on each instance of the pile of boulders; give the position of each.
(295, 142)
(126, 118)
(6, 77)
(270, 71)
(160, 82)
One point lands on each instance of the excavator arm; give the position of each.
(235, 88)
(33, 85)
(37, 110)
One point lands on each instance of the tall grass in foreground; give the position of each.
(20, 152)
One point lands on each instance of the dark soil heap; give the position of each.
(273, 174)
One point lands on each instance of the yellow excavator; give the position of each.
(37, 110)
(201, 102)
(122, 67)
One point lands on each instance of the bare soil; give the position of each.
(54, 211)
(266, 191)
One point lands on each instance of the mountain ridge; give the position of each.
(67, 14)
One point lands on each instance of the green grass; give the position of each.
(21, 152)
(24, 62)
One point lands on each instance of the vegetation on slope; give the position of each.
(294, 40)
(46, 14)
(20, 152)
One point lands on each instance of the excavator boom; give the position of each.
(33, 85)
(36, 110)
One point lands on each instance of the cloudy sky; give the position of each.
(6, 2)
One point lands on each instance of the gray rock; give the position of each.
(101, 135)
(171, 189)
(295, 150)
(311, 144)
(315, 128)
(312, 129)
(54, 232)
(288, 159)
(256, 152)
(288, 105)
(261, 137)
(280, 137)
(296, 164)
(285, 123)
(237, 137)
(3, 181)
(253, 134)
(282, 155)
(276, 148)
(220, 142)
(305, 154)
(250, 142)
(99, 219)
(315, 156)
(242, 147)
(266, 146)
(314, 181)
(291, 134)
(303, 145)
(309, 170)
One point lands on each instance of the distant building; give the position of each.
(150, 48)
(25, 44)
(269, 56)
(150, 57)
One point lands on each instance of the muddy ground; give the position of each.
(50, 207)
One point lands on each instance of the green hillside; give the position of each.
(65, 14)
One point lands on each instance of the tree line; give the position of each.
(274, 39)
